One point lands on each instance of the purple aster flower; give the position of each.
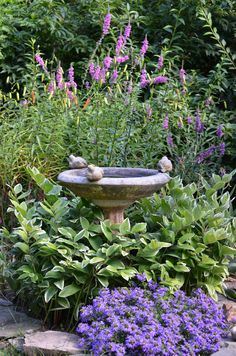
(160, 79)
(127, 31)
(221, 148)
(106, 24)
(169, 140)
(205, 154)
(119, 44)
(160, 62)
(165, 124)
(114, 76)
(219, 131)
(144, 47)
(182, 76)
(107, 62)
(143, 79)
(199, 126)
(122, 59)
(189, 120)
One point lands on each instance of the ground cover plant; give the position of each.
(62, 252)
(150, 321)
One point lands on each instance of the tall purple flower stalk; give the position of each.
(114, 76)
(169, 140)
(182, 75)
(127, 31)
(221, 148)
(189, 120)
(165, 124)
(107, 62)
(143, 79)
(144, 47)
(119, 44)
(219, 131)
(59, 78)
(122, 59)
(106, 24)
(205, 154)
(199, 126)
(161, 79)
(160, 62)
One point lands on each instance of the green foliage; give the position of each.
(197, 231)
(64, 252)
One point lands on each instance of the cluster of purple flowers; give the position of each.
(137, 321)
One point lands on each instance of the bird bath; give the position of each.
(118, 188)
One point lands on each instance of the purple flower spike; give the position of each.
(127, 31)
(161, 79)
(219, 131)
(182, 76)
(40, 61)
(143, 79)
(130, 88)
(91, 69)
(144, 47)
(96, 75)
(160, 62)
(107, 62)
(106, 24)
(189, 120)
(169, 140)
(221, 148)
(120, 44)
(165, 124)
(122, 59)
(51, 87)
(59, 78)
(199, 126)
(205, 154)
(114, 76)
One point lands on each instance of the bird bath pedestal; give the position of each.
(118, 188)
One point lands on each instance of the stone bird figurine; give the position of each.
(165, 165)
(94, 173)
(77, 162)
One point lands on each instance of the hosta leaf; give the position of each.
(104, 281)
(106, 231)
(22, 246)
(60, 284)
(69, 290)
(49, 293)
(124, 227)
(84, 223)
(64, 302)
(96, 260)
(141, 227)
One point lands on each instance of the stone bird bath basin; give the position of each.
(118, 188)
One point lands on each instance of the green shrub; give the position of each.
(63, 251)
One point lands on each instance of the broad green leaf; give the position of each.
(49, 293)
(69, 290)
(18, 189)
(64, 302)
(103, 280)
(116, 263)
(84, 223)
(186, 237)
(140, 227)
(106, 231)
(112, 250)
(22, 246)
(226, 250)
(124, 227)
(96, 260)
(67, 232)
(60, 284)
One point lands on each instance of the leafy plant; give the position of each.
(63, 252)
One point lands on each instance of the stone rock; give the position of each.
(228, 348)
(5, 302)
(14, 323)
(17, 343)
(51, 343)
